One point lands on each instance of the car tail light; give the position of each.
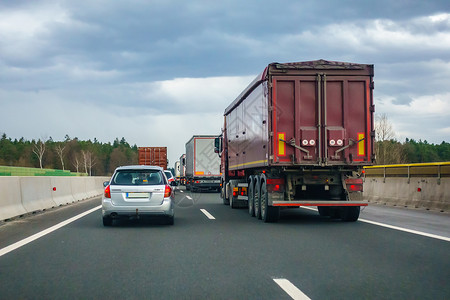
(108, 192)
(167, 191)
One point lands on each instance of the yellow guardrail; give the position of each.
(437, 169)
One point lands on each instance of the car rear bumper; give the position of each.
(165, 209)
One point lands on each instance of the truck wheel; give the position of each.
(323, 211)
(251, 197)
(225, 199)
(257, 198)
(269, 214)
(349, 213)
(233, 200)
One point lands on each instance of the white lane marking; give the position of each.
(291, 289)
(181, 191)
(207, 214)
(434, 236)
(38, 235)
(189, 197)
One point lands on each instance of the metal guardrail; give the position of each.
(435, 170)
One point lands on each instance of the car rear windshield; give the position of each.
(138, 177)
(168, 174)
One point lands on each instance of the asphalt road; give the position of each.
(223, 253)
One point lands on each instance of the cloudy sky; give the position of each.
(159, 71)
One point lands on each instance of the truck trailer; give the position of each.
(299, 135)
(153, 156)
(202, 165)
(183, 169)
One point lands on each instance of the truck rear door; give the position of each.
(321, 120)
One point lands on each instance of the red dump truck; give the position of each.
(153, 156)
(299, 135)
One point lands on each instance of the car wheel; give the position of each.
(107, 221)
(171, 220)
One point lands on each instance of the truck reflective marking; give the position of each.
(248, 164)
(281, 149)
(361, 144)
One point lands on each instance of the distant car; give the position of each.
(137, 191)
(170, 177)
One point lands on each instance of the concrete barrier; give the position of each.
(36, 193)
(22, 195)
(79, 188)
(62, 190)
(422, 186)
(418, 193)
(10, 198)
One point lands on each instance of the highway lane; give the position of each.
(230, 256)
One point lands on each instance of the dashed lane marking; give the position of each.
(291, 289)
(211, 217)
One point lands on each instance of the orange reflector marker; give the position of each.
(361, 145)
(281, 145)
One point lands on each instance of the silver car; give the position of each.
(136, 191)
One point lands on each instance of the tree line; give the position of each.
(91, 157)
(390, 151)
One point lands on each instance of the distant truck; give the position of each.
(183, 169)
(177, 172)
(202, 165)
(153, 156)
(299, 135)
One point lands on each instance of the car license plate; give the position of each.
(138, 195)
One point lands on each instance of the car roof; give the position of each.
(139, 167)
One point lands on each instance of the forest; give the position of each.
(100, 159)
(91, 157)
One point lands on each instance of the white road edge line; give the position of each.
(207, 214)
(38, 235)
(434, 236)
(291, 289)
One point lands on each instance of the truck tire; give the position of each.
(349, 213)
(269, 214)
(323, 211)
(257, 198)
(251, 197)
(232, 199)
(225, 199)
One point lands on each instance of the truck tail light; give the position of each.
(108, 192)
(354, 184)
(275, 184)
(235, 191)
(167, 191)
